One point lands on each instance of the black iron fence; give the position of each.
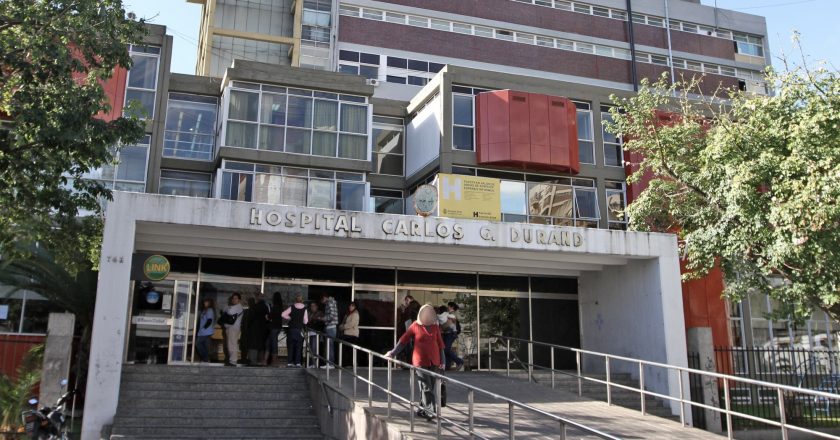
(805, 368)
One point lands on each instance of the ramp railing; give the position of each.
(459, 422)
(785, 398)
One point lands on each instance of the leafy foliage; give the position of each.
(751, 182)
(16, 391)
(55, 55)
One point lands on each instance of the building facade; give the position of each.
(290, 161)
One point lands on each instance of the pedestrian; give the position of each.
(257, 328)
(330, 326)
(298, 317)
(427, 356)
(350, 327)
(232, 321)
(409, 311)
(316, 324)
(206, 328)
(448, 321)
(275, 317)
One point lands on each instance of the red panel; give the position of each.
(526, 130)
(13, 348)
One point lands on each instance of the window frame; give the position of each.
(155, 54)
(375, 154)
(212, 135)
(604, 143)
(591, 139)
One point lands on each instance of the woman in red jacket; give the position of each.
(428, 355)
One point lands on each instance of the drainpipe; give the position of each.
(633, 74)
(668, 33)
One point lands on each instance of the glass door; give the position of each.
(181, 330)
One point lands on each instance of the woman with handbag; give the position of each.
(232, 321)
(427, 355)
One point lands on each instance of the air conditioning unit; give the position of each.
(756, 87)
(372, 82)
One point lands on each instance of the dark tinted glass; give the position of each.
(554, 285)
(313, 272)
(235, 268)
(366, 275)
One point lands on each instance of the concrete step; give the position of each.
(214, 437)
(196, 393)
(293, 410)
(279, 388)
(151, 432)
(211, 370)
(199, 404)
(279, 422)
(231, 378)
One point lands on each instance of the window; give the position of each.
(586, 143)
(24, 312)
(562, 204)
(359, 63)
(128, 171)
(141, 84)
(462, 122)
(613, 156)
(297, 121)
(190, 126)
(183, 183)
(388, 146)
(616, 203)
(387, 201)
(748, 45)
(315, 23)
(292, 186)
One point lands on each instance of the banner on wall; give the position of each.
(472, 197)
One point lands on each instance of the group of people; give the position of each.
(255, 331)
(447, 320)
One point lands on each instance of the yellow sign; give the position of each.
(472, 197)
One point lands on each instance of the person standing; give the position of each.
(275, 316)
(316, 324)
(350, 327)
(298, 318)
(410, 309)
(257, 329)
(448, 321)
(234, 312)
(427, 356)
(206, 327)
(330, 326)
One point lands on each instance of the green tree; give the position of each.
(750, 182)
(55, 55)
(15, 391)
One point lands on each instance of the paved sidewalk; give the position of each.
(491, 416)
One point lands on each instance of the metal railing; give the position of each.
(783, 394)
(467, 426)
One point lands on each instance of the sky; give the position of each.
(814, 19)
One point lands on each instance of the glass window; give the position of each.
(549, 200)
(613, 155)
(320, 194)
(244, 106)
(353, 118)
(141, 84)
(350, 196)
(462, 118)
(182, 183)
(298, 141)
(237, 186)
(616, 203)
(586, 144)
(514, 198)
(241, 134)
(586, 203)
(190, 126)
(387, 201)
(352, 146)
(299, 112)
(273, 109)
(132, 163)
(388, 149)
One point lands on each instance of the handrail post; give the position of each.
(308, 348)
(609, 388)
(389, 391)
(340, 363)
(642, 387)
(552, 367)
(511, 426)
(370, 379)
(355, 371)
(782, 416)
(438, 409)
(327, 364)
(489, 354)
(562, 430)
(507, 358)
(411, 386)
(580, 380)
(728, 406)
(682, 397)
(470, 402)
(530, 361)
(317, 350)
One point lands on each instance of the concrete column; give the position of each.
(699, 340)
(57, 351)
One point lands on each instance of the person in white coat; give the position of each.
(232, 331)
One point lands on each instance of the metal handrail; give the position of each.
(469, 428)
(783, 424)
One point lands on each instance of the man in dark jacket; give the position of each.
(257, 329)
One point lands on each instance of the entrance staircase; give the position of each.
(211, 402)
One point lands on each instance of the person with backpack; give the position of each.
(275, 316)
(206, 328)
(298, 317)
(427, 356)
(231, 319)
